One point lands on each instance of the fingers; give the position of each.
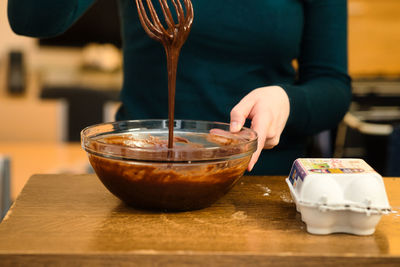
(273, 135)
(253, 161)
(240, 113)
(268, 108)
(271, 143)
(260, 124)
(247, 108)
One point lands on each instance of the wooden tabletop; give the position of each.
(74, 220)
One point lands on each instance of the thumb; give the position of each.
(240, 113)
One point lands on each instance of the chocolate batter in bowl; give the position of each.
(133, 161)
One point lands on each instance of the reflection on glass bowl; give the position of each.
(133, 161)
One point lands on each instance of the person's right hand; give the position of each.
(268, 108)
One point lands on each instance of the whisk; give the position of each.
(173, 37)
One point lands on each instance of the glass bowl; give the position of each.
(133, 161)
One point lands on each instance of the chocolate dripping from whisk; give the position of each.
(172, 39)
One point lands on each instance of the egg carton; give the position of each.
(338, 195)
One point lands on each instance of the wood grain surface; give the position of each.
(72, 220)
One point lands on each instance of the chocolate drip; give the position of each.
(172, 39)
(172, 67)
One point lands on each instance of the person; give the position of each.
(237, 66)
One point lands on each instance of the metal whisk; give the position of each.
(172, 38)
(176, 33)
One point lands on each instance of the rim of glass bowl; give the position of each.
(184, 155)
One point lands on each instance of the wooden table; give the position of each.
(73, 220)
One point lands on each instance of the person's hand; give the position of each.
(268, 108)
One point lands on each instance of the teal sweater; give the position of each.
(234, 47)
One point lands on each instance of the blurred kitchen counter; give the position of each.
(65, 67)
(34, 130)
(72, 220)
(28, 158)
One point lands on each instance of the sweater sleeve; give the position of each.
(44, 18)
(322, 94)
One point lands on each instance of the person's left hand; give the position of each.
(268, 108)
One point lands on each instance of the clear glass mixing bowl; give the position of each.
(133, 161)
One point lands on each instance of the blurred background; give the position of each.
(52, 88)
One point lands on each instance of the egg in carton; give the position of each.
(338, 195)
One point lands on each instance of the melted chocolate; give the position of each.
(166, 186)
(172, 39)
(149, 142)
(161, 186)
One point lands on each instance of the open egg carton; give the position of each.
(338, 195)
